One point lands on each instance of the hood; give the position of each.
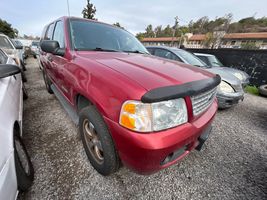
(225, 75)
(148, 71)
(241, 75)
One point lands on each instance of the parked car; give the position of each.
(35, 48)
(229, 92)
(13, 51)
(16, 170)
(5, 59)
(21, 51)
(213, 61)
(130, 106)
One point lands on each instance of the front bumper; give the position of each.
(230, 99)
(146, 153)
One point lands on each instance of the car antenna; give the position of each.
(72, 44)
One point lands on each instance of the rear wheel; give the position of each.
(48, 83)
(23, 165)
(97, 141)
(25, 93)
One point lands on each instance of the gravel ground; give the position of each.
(233, 164)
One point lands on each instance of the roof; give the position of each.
(160, 39)
(198, 37)
(203, 54)
(260, 35)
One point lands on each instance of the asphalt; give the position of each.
(232, 165)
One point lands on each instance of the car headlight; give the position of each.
(225, 87)
(238, 75)
(145, 117)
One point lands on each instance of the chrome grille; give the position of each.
(202, 101)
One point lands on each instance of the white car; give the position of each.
(16, 170)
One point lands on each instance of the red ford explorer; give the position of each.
(145, 111)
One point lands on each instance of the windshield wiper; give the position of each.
(97, 49)
(136, 51)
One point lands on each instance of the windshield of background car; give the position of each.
(5, 43)
(215, 62)
(36, 44)
(88, 35)
(190, 58)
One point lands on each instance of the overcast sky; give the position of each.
(30, 16)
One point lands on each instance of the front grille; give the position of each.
(202, 101)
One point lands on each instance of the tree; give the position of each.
(89, 11)
(118, 25)
(149, 31)
(7, 29)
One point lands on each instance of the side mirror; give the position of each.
(52, 46)
(8, 70)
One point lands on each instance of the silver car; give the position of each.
(16, 170)
(13, 51)
(230, 90)
(214, 62)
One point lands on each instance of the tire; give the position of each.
(23, 66)
(48, 83)
(23, 76)
(25, 93)
(263, 90)
(23, 165)
(89, 118)
(34, 56)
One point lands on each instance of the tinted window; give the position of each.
(150, 50)
(204, 59)
(59, 34)
(49, 32)
(166, 54)
(5, 43)
(3, 58)
(87, 35)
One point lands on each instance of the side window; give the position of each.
(49, 32)
(204, 59)
(161, 53)
(3, 58)
(150, 51)
(59, 34)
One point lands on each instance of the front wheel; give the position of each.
(23, 165)
(97, 141)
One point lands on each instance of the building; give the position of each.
(230, 40)
(236, 40)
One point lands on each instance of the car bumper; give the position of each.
(229, 100)
(147, 153)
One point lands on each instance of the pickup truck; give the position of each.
(131, 108)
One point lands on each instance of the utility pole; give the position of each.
(174, 28)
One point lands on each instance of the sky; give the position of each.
(30, 16)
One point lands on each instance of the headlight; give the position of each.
(238, 75)
(225, 87)
(144, 117)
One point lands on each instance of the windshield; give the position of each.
(5, 43)
(88, 35)
(35, 44)
(215, 62)
(190, 58)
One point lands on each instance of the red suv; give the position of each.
(145, 111)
